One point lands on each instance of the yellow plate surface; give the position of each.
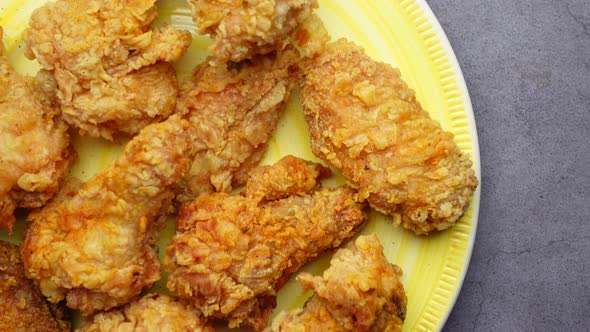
(404, 33)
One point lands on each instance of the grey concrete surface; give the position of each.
(527, 67)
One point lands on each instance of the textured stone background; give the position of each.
(527, 67)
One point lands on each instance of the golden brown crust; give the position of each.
(57, 171)
(113, 71)
(22, 305)
(233, 109)
(35, 150)
(311, 37)
(360, 291)
(242, 29)
(7, 207)
(365, 121)
(231, 253)
(151, 313)
(289, 176)
(94, 244)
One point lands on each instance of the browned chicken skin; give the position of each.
(233, 110)
(113, 71)
(231, 253)
(289, 176)
(360, 291)
(151, 313)
(94, 244)
(242, 29)
(365, 121)
(23, 307)
(35, 150)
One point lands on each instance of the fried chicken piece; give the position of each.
(94, 245)
(151, 313)
(35, 150)
(360, 291)
(365, 121)
(113, 71)
(233, 109)
(242, 29)
(231, 253)
(23, 307)
(287, 177)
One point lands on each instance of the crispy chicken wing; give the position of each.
(151, 313)
(113, 71)
(94, 245)
(35, 150)
(360, 291)
(233, 109)
(232, 253)
(242, 29)
(365, 121)
(23, 307)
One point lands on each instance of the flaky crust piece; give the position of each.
(151, 313)
(113, 71)
(242, 29)
(35, 150)
(366, 121)
(94, 245)
(231, 253)
(360, 291)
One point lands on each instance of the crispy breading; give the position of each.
(23, 307)
(289, 176)
(113, 71)
(366, 121)
(242, 29)
(233, 109)
(360, 291)
(151, 313)
(35, 150)
(94, 244)
(231, 253)
(311, 37)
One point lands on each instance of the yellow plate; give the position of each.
(404, 33)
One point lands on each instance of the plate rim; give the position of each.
(468, 107)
